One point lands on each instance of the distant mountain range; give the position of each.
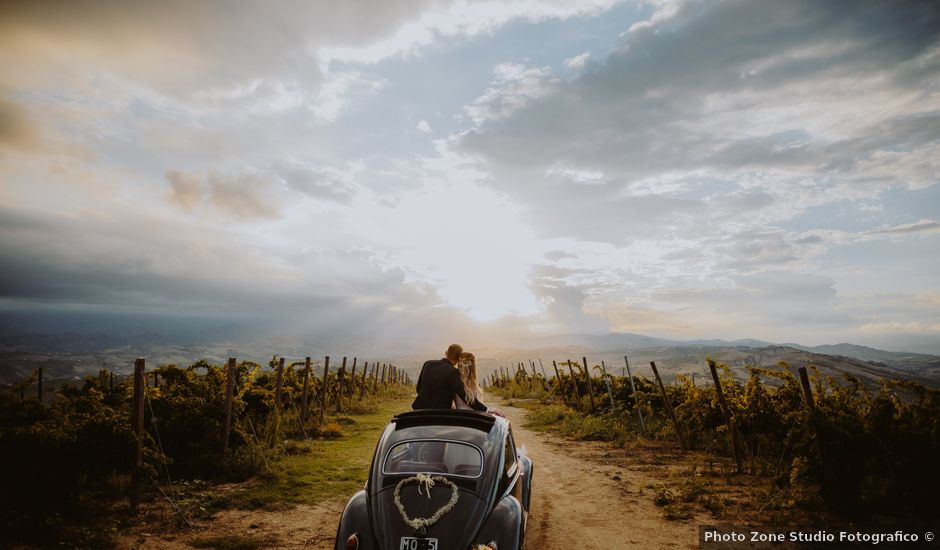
(625, 341)
(75, 354)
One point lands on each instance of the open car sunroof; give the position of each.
(445, 417)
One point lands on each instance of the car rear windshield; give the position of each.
(434, 457)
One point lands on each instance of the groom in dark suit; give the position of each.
(440, 381)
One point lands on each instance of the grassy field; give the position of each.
(322, 469)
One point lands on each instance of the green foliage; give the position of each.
(62, 458)
(869, 451)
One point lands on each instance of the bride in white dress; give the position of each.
(467, 365)
(464, 455)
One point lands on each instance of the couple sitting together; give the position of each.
(450, 383)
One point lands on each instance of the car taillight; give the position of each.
(352, 543)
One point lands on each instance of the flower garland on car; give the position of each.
(425, 481)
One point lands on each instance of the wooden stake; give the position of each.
(811, 406)
(365, 373)
(39, 381)
(137, 421)
(306, 391)
(383, 373)
(807, 391)
(340, 376)
(323, 396)
(590, 386)
(574, 381)
(607, 382)
(352, 379)
(229, 391)
(636, 398)
(672, 414)
(277, 386)
(732, 433)
(544, 378)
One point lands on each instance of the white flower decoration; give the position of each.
(425, 481)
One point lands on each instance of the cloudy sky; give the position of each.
(454, 168)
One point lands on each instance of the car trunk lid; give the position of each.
(455, 529)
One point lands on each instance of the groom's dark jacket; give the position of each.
(437, 385)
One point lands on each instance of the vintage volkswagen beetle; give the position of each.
(470, 456)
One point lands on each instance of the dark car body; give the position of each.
(474, 451)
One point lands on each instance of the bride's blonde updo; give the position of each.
(467, 365)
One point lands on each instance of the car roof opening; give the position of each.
(446, 417)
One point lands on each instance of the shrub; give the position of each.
(869, 450)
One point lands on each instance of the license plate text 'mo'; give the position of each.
(412, 543)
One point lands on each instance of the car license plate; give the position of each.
(412, 543)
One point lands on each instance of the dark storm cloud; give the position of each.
(81, 264)
(654, 108)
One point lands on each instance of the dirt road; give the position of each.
(578, 501)
(586, 495)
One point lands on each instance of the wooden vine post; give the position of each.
(384, 365)
(607, 382)
(672, 413)
(352, 380)
(544, 377)
(587, 373)
(574, 382)
(229, 391)
(306, 391)
(811, 407)
(557, 376)
(340, 376)
(365, 374)
(323, 392)
(39, 382)
(277, 387)
(732, 433)
(137, 421)
(636, 398)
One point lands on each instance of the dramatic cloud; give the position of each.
(15, 129)
(486, 168)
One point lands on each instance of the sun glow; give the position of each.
(466, 241)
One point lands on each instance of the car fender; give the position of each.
(355, 519)
(527, 471)
(504, 525)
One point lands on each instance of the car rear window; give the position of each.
(434, 457)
